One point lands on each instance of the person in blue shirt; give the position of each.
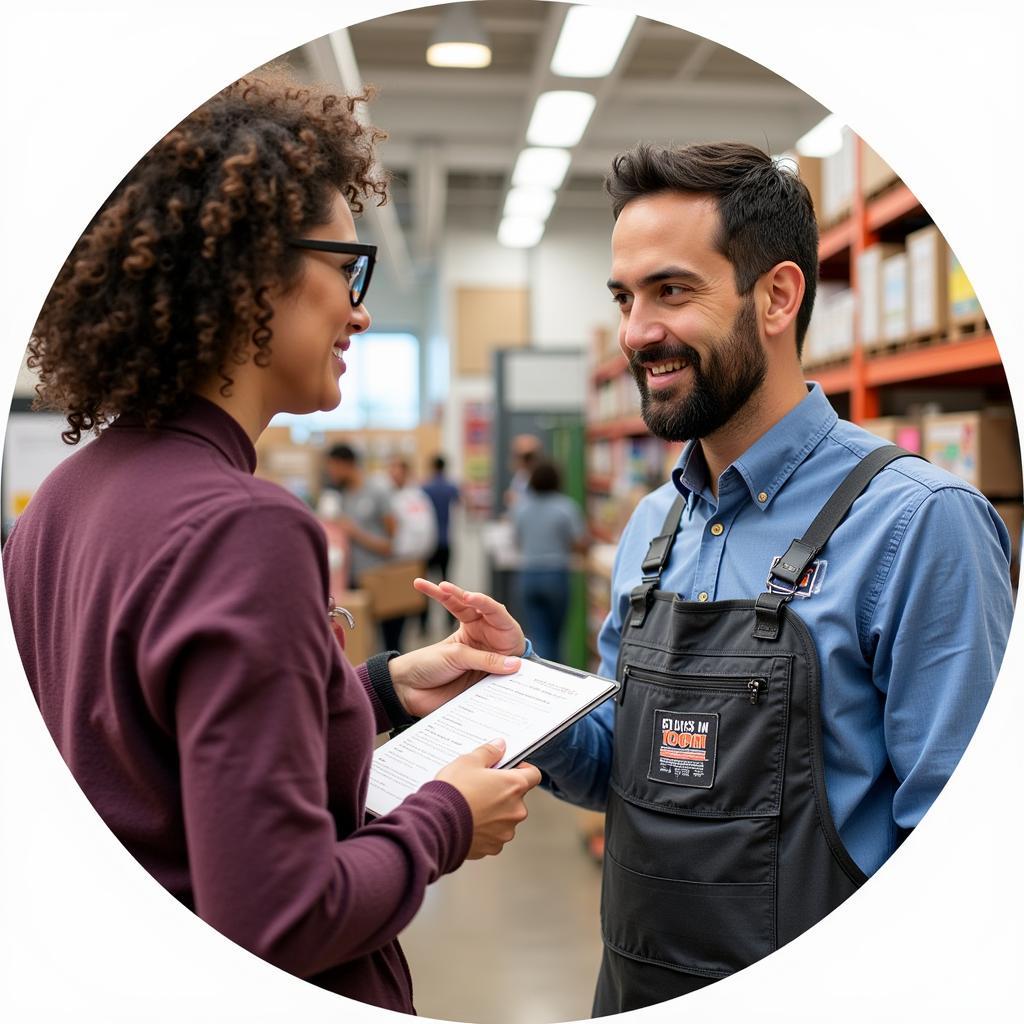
(549, 528)
(789, 711)
(443, 494)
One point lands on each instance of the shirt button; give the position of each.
(762, 497)
(717, 529)
(702, 596)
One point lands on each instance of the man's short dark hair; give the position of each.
(545, 478)
(343, 453)
(765, 212)
(438, 463)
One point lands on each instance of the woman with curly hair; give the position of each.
(172, 610)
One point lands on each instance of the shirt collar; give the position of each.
(770, 461)
(203, 419)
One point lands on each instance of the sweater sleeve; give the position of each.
(238, 643)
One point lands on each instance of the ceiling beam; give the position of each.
(429, 200)
(435, 82)
(695, 60)
(420, 20)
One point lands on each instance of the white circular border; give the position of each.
(84, 931)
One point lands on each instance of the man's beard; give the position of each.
(731, 372)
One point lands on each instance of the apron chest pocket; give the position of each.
(704, 743)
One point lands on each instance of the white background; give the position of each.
(85, 934)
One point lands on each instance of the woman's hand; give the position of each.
(484, 623)
(423, 680)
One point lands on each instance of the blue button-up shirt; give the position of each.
(910, 612)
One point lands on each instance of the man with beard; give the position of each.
(807, 622)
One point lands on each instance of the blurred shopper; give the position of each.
(549, 528)
(415, 519)
(444, 495)
(526, 450)
(361, 506)
(172, 610)
(415, 538)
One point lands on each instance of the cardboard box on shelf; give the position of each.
(869, 291)
(296, 468)
(963, 303)
(830, 333)
(361, 640)
(809, 169)
(902, 430)
(390, 589)
(875, 173)
(604, 342)
(895, 311)
(927, 281)
(979, 447)
(838, 174)
(1012, 514)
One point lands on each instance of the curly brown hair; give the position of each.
(168, 286)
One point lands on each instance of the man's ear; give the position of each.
(782, 294)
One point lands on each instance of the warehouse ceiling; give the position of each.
(454, 134)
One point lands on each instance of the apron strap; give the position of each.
(654, 563)
(798, 557)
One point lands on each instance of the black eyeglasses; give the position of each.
(358, 271)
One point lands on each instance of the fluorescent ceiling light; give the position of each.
(560, 118)
(459, 41)
(520, 232)
(544, 167)
(590, 42)
(824, 139)
(529, 201)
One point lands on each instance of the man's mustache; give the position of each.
(657, 354)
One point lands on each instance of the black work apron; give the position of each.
(720, 845)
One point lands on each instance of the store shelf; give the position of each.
(912, 364)
(890, 207)
(626, 426)
(609, 368)
(834, 380)
(835, 240)
(932, 361)
(894, 205)
(599, 484)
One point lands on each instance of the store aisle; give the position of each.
(513, 939)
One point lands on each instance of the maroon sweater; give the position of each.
(171, 612)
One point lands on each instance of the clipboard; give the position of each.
(528, 709)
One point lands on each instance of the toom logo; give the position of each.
(680, 736)
(683, 751)
(684, 740)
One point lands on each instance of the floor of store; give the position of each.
(512, 939)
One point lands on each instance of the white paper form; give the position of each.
(523, 709)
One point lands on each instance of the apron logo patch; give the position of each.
(684, 748)
(810, 583)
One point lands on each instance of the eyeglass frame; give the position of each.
(344, 248)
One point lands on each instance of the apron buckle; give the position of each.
(767, 615)
(640, 601)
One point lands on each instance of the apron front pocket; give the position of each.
(707, 929)
(706, 740)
